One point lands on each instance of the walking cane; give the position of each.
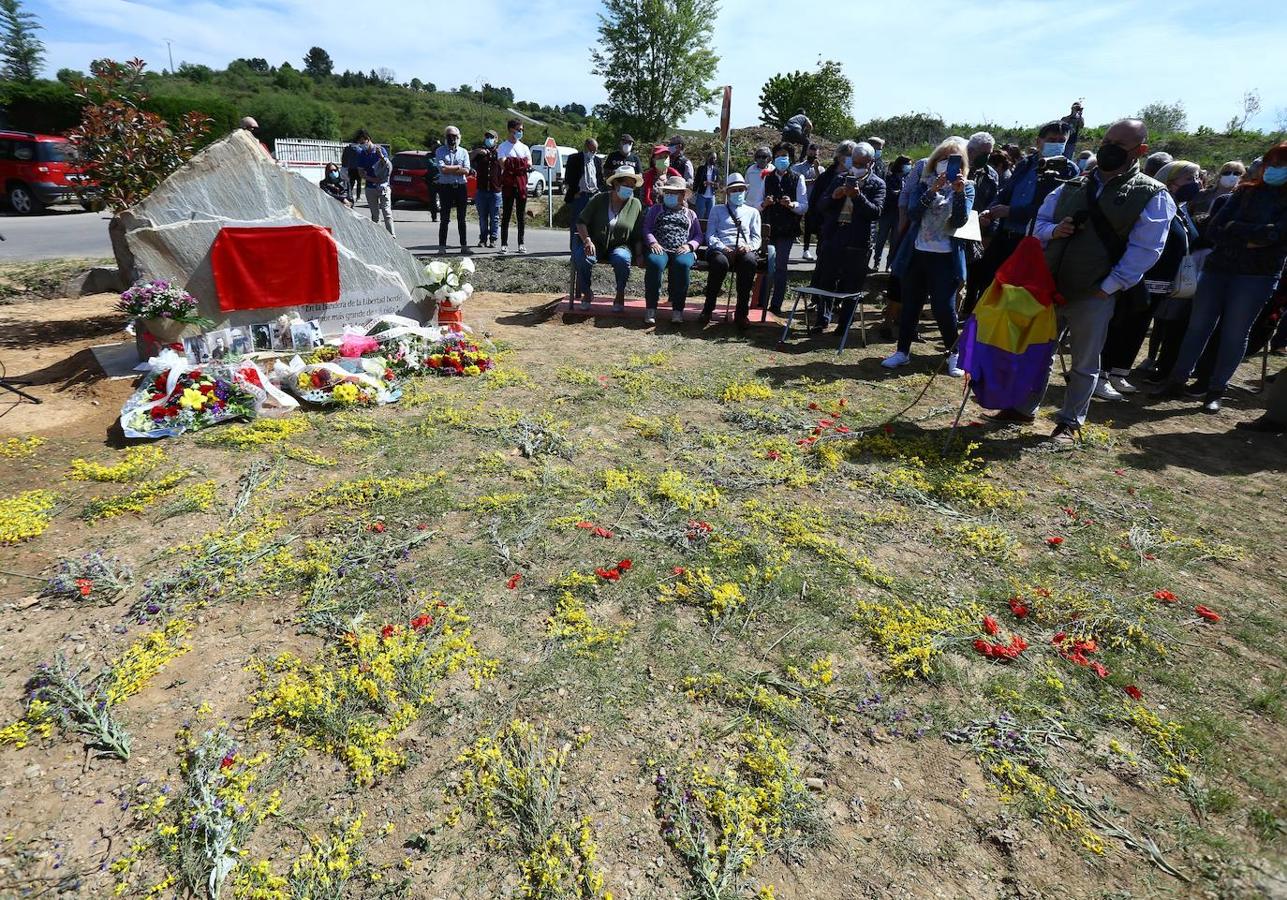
(965, 398)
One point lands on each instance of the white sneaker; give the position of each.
(1105, 391)
(522, 249)
(502, 251)
(898, 358)
(808, 256)
(1121, 385)
(953, 370)
(676, 317)
(650, 317)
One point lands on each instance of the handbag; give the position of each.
(1186, 279)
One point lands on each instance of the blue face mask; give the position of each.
(781, 163)
(1082, 164)
(518, 135)
(489, 142)
(1052, 148)
(671, 200)
(877, 153)
(1275, 175)
(737, 198)
(625, 193)
(846, 162)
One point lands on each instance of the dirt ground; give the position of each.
(905, 810)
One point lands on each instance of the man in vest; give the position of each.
(1101, 232)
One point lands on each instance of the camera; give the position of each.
(1053, 164)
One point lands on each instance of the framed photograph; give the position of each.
(261, 336)
(304, 336)
(219, 345)
(281, 336)
(194, 348)
(240, 340)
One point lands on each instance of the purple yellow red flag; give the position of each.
(1007, 345)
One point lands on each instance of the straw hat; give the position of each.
(626, 173)
(673, 183)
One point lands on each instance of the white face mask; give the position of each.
(1228, 180)
(626, 148)
(860, 172)
(941, 167)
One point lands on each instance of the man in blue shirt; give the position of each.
(377, 169)
(453, 176)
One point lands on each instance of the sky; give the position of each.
(1009, 62)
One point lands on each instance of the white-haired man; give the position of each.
(453, 176)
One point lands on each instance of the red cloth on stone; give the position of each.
(292, 265)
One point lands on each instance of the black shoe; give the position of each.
(1065, 435)
(1211, 403)
(741, 323)
(1264, 425)
(1155, 376)
(1170, 391)
(1197, 389)
(704, 318)
(777, 311)
(885, 332)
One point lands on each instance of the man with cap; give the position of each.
(453, 175)
(376, 169)
(610, 228)
(877, 164)
(582, 178)
(487, 199)
(679, 162)
(671, 236)
(732, 242)
(659, 169)
(624, 155)
(809, 169)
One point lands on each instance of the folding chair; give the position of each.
(816, 294)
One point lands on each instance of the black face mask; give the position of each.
(1187, 193)
(1112, 157)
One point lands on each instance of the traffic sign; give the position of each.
(551, 152)
(726, 113)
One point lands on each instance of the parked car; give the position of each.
(37, 170)
(409, 169)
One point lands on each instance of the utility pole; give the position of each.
(170, 51)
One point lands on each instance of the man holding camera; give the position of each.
(1101, 233)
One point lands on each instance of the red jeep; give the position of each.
(408, 180)
(37, 170)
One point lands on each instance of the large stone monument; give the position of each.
(233, 182)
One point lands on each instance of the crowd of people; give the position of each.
(1142, 247)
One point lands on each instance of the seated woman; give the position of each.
(610, 228)
(672, 235)
(335, 186)
(931, 261)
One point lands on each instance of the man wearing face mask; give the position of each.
(624, 155)
(732, 242)
(453, 175)
(1101, 233)
(809, 169)
(755, 174)
(705, 180)
(487, 199)
(679, 162)
(1017, 203)
(849, 211)
(377, 169)
(1085, 159)
(784, 205)
(877, 163)
(583, 178)
(516, 162)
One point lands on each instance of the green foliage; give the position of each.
(826, 96)
(124, 148)
(317, 62)
(910, 130)
(48, 107)
(1164, 118)
(288, 115)
(23, 53)
(655, 60)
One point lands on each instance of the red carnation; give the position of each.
(424, 620)
(377, 527)
(774, 455)
(387, 631)
(625, 565)
(1098, 669)
(1018, 608)
(1207, 613)
(1133, 692)
(813, 406)
(85, 586)
(678, 570)
(1165, 596)
(585, 525)
(514, 580)
(228, 760)
(990, 625)
(602, 532)
(1054, 541)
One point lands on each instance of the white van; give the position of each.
(551, 174)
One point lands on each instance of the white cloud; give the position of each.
(1007, 62)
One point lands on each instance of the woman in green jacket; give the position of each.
(610, 228)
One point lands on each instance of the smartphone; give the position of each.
(851, 181)
(953, 168)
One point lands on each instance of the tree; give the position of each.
(317, 62)
(825, 95)
(70, 76)
(1164, 118)
(1280, 119)
(195, 72)
(496, 96)
(1250, 108)
(125, 150)
(416, 85)
(385, 75)
(655, 60)
(574, 109)
(290, 115)
(23, 53)
(255, 64)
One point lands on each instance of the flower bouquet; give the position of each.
(449, 286)
(449, 354)
(331, 384)
(175, 397)
(167, 311)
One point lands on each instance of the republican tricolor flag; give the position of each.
(1007, 345)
